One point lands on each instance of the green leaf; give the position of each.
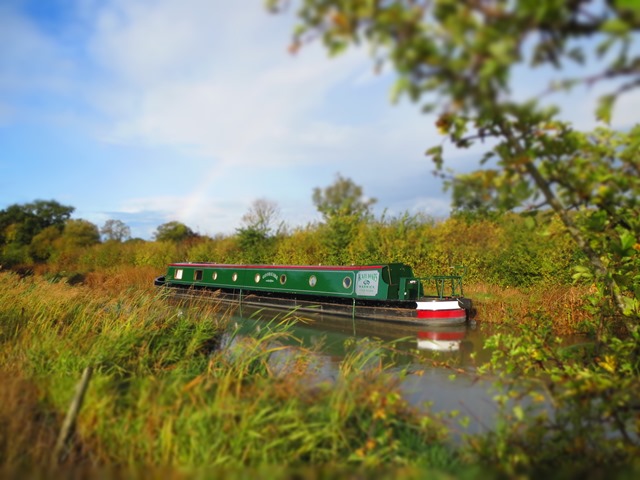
(615, 26)
(605, 105)
(436, 155)
(399, 87)
(582, 273)
(518, 412)
(627, 240)
(628, 5)
(630, 306)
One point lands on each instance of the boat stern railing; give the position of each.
(440, 286)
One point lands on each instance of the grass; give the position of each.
(513, 306)
(28, 429)
(177, 392)
(177, 389)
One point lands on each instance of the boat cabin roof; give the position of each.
(277, 267)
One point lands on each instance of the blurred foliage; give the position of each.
(566, 411)
(456, 59)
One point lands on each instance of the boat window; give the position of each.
(178, 275)
(197, 275)
(283, 279)
(257, 277)
(215, 275)
(386, 275)
(234, 277)
(313, 280)
(346, 283)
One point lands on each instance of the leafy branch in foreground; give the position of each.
(580, 398)
(459, 57)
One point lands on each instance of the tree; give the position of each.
(263, 216)
(457, 58)
(173, 232)
(259, 228)
(20, 225)
(31, 218)
(79, 233)
(343, 198)
(43, 244)
(343, 207)
(115, 230)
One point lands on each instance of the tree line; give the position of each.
(505, 249)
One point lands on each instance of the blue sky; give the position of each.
(152, 111)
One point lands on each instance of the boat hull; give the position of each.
(397, 312)
(442, 310)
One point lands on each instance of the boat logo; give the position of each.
(270, 277)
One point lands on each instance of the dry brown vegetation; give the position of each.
(513, 306)
(29, 430)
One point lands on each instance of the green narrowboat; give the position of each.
(382, 291)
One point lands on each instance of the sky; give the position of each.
(150, 111)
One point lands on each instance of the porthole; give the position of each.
(346, 283)
(283, 279)
(312, 281)
(215, 275)
(257, 278)
(234, 277)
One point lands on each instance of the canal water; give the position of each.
(439, 362)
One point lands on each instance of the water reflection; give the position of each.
(419, 343)
(436, 366)
(442, 338)
(438, 370)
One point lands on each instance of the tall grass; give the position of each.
(27, 431)
(521, 306)
(175, 387)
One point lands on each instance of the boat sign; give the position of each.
(270, 277)
(367, 283)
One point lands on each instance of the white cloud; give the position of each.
(216, 80)
(145, 43)
(210, 85)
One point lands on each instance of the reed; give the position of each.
(565, 306)
(28, 430)
(175, 386)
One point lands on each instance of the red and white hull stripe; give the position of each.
(441, 310)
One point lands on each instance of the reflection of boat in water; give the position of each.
(387, 292)
(317, 327)
(441, 339)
